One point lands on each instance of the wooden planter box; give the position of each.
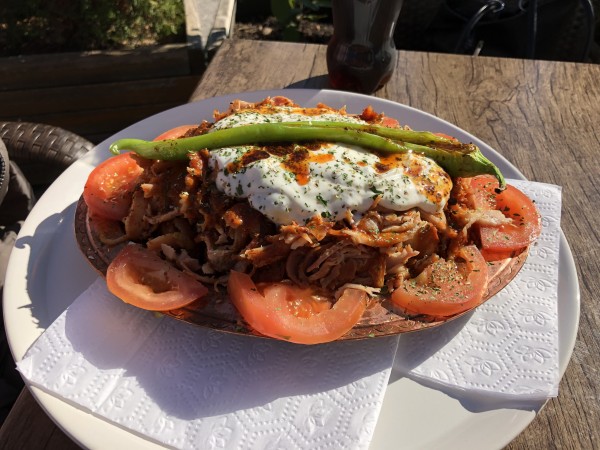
(95, 94)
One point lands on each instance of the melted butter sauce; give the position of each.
(292, 183)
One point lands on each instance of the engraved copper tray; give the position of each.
(220, 314)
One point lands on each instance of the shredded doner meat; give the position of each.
(177, 210)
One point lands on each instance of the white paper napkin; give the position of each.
(188, 387)
(508, 347)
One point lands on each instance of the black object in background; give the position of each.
(561, 30)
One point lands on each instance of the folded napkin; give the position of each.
(188, 387)
(508, 347)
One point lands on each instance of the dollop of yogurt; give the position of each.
(293, 183)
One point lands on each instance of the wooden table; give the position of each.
(541, 115)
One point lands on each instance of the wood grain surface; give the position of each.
(96, 93)
(542, 116)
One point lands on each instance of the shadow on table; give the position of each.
(56, 270)
(474, 402)
(37, 243)
(415, 349)
(411, 354)
(318, 82)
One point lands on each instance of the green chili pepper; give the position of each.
(455, 157)
(173, 149)
(397, 134)
(464, 160)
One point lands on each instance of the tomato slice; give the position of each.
(287, 312)
(174, 133)
(447, 136)
(110, 186)
(525, 226)
(141, 278)
(390, 122)
(446, 287)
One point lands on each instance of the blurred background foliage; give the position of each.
(289, 14)
(44, 26)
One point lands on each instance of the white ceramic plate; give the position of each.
(47, 272)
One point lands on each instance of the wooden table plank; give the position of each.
(28, 427)
(70, 69)
(540, 115)
(79, 99)
(95, 94)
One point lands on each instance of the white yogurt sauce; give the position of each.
(338, 177)
(283, 114)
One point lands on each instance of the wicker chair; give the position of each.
(41, 151)
(31, 157)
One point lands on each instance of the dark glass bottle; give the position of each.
(361, 54)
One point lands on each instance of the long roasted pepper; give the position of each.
(397, 134)
(458, 160)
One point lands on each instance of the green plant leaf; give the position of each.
(285, 10)
(291, 33)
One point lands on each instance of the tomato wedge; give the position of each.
(141, 278)
(447, 136)
(174, 133)
(525, 224)
(287, 312)
(446, 287)
(390, 122)
(109, 187)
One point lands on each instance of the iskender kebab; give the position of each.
(306, 224)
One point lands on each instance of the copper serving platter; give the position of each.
(219, 314)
